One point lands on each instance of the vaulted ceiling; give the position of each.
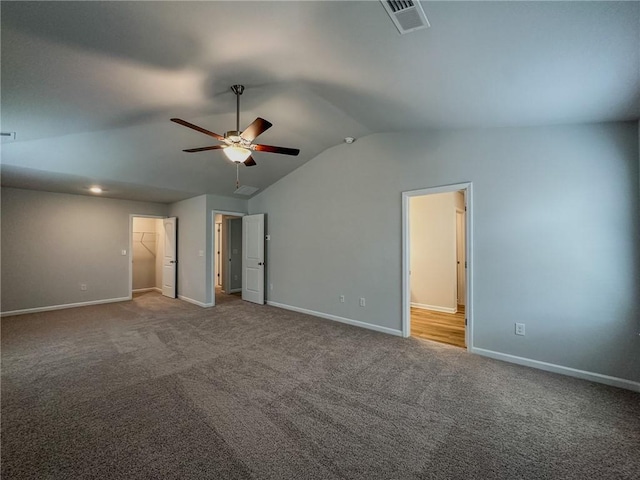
(89, 87)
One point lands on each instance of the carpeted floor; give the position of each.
(158, 388)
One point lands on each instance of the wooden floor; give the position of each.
(441, 327)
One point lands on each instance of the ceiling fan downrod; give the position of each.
(237, 89)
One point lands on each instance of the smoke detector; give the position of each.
(407, 15)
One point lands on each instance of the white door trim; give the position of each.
(129, 252)
(462, 213)
(212, 272)
(406, 291)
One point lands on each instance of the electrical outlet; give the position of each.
(341, 298)
(519, 328)
(124, 252)
(362, 301)
(83, 286)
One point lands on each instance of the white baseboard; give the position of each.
(328, 316)
(62, 307)
(550, 367)
(434, 308)
(195, 302)
(150, 289)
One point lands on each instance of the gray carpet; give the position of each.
(158, 388)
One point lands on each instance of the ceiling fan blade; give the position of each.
(204, 149)
(259, 126)
(197, 128)
(272, 149)
(250, 162)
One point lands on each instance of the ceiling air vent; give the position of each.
(407, 15)
(246, 190)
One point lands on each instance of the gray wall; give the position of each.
(556, 235)
(52, 242)
(191, 214)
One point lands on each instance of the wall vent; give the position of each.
(406, 15)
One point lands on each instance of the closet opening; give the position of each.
(153, 255)
(146, 254)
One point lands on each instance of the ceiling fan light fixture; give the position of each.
(237, 154)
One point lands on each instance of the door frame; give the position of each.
(463, 215)
(406, 244)
(214, 212)
(130, 251)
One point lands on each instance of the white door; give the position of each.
(253, 258)
(170, 257)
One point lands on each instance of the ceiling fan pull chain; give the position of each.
(237, 176)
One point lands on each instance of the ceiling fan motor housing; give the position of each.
(233, 137)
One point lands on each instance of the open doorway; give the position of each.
(153, 255)
(146, 254)
(227, 258)
(436, 264)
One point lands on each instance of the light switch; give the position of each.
(124, 252)
(201, 253)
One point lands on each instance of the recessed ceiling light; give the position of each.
(349, 140)
(95, 189)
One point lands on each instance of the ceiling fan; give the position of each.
(237, 145)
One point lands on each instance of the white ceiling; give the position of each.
(89, 87)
